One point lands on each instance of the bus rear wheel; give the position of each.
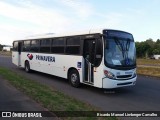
(27, 67)
(74, 78)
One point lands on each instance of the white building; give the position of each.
(157, 57)
(6, 48)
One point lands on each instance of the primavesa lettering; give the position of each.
(45, 58)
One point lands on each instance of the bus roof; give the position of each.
(41, 36)
(52, 35)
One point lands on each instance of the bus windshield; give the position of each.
(120, 51)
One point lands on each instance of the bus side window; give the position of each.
(34, 46)
(26, 46)
(15, 46)
(58, 45)
(45, 46)
(73, 45)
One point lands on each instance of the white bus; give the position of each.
(101, 58)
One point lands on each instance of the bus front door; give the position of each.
(88, 54)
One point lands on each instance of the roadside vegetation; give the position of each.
(148, 48)
(6, 53)
(49, 97)
(149, 67)
(149, 71)
(148, 62)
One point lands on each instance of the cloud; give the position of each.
(26, 19)
(33, 14)
(109, 20)
(82, 8)
(137, 12)
(10, 32)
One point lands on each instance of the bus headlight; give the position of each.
(134, 75)
(109, 74)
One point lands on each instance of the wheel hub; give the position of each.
(73, 78)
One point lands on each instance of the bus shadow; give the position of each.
(109, 92)
(83, 87)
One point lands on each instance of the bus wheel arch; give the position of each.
(73, 77)
(27, 66)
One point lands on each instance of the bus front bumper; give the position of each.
(110, 83)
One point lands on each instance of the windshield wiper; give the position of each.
(124, 48)
(120, 46)
(128, 44)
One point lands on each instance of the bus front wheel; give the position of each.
(27, 67)
(74, 78)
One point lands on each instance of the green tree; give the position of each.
(1, 47)
(148, 48)
(158, 41)
(156, 52)
(157, 47)
(138, 49)
(150, 42)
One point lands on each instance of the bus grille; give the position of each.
(124, 76)
(125, 83)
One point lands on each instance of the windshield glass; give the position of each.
(119, 52)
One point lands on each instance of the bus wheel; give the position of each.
(27, 67)
(74, 78)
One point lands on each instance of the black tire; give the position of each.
(74, 78)
(27, 67)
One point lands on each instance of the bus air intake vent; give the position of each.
(127, 83)
(124, 76)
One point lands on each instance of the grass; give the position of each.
(49, 97)
(149, 71)
(6, 53)
(152, 70)
(148, 62)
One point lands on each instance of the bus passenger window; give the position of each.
(34, 46)
(26, 46)
(73, 45)
(58, 45)
(45, 46)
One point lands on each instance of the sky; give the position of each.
(22, 18)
